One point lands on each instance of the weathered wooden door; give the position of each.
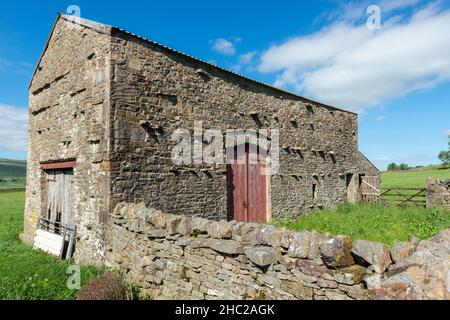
(247, 187)
(350, 188)
(369, 188)
(59, 206)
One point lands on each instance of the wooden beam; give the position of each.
(58, 165)
(401, 200)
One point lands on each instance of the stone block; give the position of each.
(172, 223)
(158, 219)
(272, 235)
(220, 229)
(299, 247)
(336, 251)
(225, 246)
(372, 254)
(200, 225)
(401, 251)
(184, 226)
(262, 256)
(349, 276)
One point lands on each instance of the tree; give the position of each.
(444, 156)
(392, 166)
(403, 166)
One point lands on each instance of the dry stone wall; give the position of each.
(438, 193)
(181, 257)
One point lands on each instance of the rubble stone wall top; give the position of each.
(438, 193)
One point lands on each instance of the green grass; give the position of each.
(412, 178)
(374, 222)
(26, 273)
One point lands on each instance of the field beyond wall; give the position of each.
(414, 178)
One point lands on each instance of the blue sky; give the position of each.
(396, 77)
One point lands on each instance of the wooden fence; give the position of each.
(402, 197)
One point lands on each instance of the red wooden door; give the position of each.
(247, 183)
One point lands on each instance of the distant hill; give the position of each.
(13, 168)
(422, 168)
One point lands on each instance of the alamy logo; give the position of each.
(73, 14)
(374, 20)
(213, 146)
(74, 279)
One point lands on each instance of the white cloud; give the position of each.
(357, 10)
(446, 133)
(223, 46)
(246, 58)
(350, 66)
(381, 118)
(13, 128)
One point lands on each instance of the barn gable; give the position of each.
(69, 124)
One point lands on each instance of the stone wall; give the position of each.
(438, 193)
(156, 91)
(68, 119)
(180, 257)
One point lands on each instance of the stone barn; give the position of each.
(104, 107)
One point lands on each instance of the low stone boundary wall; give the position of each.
(178, 257)
(438, 193)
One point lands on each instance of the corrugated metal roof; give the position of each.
(103, 28)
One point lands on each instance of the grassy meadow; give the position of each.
(381, 223)
(374, 222)
(414, 178)
(26, 273)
